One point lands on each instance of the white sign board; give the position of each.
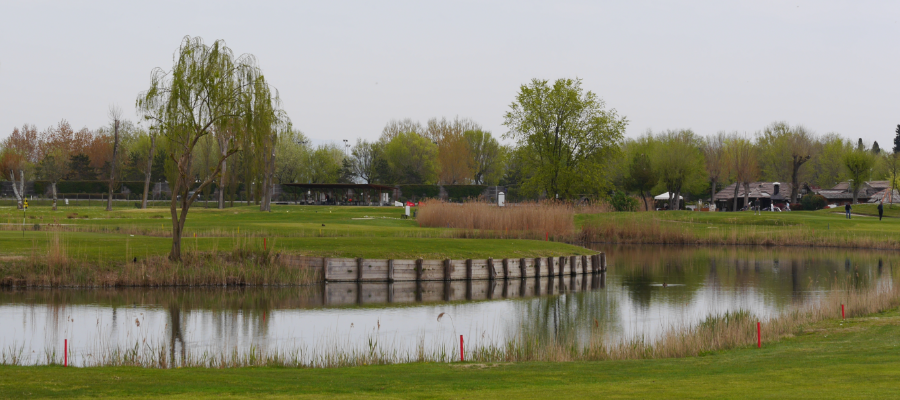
(501, 199)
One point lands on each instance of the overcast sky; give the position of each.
(344, 68)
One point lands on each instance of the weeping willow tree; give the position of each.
(209, 91)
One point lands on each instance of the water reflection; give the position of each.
(646, 290)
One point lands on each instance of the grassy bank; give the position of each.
(824, 228)
(856, 358)
(87, 246)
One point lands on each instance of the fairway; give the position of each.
(91, 233)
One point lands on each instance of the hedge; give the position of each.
(418, 192)
(463, 192)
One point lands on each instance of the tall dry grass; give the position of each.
(535, 220)
(716, 332)
(656, 231)
(244, 264)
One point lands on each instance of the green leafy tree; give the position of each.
(485, 157)
(679, 163)
(292, 159)
(859, 165)
(827, 166)
(783, 150)
(208, 90)
(641, 177)
(325, 164)
(412, 159)
(364, 164)
(566, 136)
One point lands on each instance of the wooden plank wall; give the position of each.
(381, 270)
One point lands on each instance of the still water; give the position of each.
(646, 290)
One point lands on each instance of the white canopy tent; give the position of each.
(665, 196)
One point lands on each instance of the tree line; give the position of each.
(683, 162)
(213, 124)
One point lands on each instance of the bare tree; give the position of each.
(716, 163)
(20, 153)
(115, 114)
(55, 148)
(149, 170)
(741, 160)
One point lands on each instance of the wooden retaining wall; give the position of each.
(362, 293)
(380, 270)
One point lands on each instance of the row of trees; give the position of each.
(680, 161)
(214, 121)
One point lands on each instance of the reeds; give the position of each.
(717, 332)
(653, 230)
(242, 266)
(529, 220)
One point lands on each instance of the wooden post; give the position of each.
(492, 274)
(602, 262)
(522, 271)
(505, 269)
(469, 272)
(325, 262)
(390, 276)
(359, 269)
(537, 267)
(419, 270)
(595, 263)
(573, 261)
(584, 264)
(447, 269)
(390, 291)
(550, 270)
(562, 265)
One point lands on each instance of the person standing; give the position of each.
(848, 208)
(756, 210)
(880, 209)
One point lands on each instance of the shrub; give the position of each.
(813, 202)
(622, 202)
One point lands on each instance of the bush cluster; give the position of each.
(812, 202)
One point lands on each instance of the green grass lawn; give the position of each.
(369, 232)
(856, 358)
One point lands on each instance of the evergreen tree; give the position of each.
(80, 168)
(875, 148)
(897, 140)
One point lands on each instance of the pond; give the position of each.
(646, 290)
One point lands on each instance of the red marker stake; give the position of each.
(758, 335)
(65, 352)
(546, 236)
(842, 311)
(461, 358)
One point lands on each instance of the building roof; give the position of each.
(886, 196)
(758, 190)
(353, 186)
